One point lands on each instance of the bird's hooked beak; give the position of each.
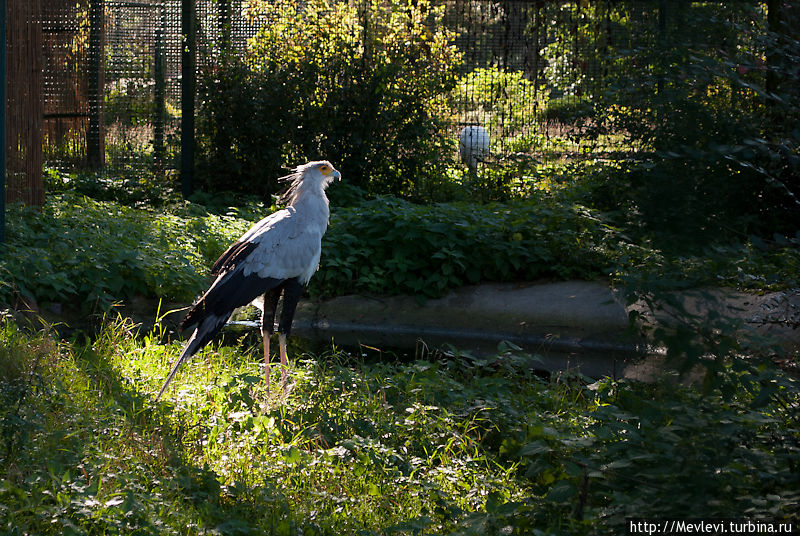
(336, 175)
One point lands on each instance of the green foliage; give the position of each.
(91, 252)
(366, 96)
(129, 102)
(682, 313)
(89, 457)
(133, 190)
(96, 252)
(463, 445)
(496, 99)
(20, 370)
(721, 145)
(563, 80)
(391, 246)
(566, 110)
(647, 450)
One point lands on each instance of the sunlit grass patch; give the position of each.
(458, 445)
(344, 447)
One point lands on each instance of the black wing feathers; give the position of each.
(238, 252)
(235, 254)
(231, 291)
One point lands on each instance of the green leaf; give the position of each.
(562, 491)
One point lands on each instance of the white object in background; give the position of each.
(473, 145)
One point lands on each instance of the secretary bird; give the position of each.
(277, 255)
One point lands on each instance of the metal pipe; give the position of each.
(2, 121)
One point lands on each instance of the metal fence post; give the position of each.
(188, 92)
(2, 121)
(95, 142)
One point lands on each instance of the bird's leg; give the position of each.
(268, 324)
(284, 359)
(265, 337)
(292, 289)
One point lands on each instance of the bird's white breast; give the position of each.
(292, 245)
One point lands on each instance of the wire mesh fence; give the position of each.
(530, 72)
(139, 41)
(23, 104)
(66, 99)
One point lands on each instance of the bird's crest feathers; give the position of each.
(322, 170)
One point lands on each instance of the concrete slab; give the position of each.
(572, 324)
(577, 325)
(772, 315)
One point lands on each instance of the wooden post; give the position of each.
(95, 140)
(188, 93)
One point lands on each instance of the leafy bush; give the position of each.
(391, 246)
(140, 189)
(365, 95)
(129, 102)
(95, 252)
(86, 251)
(563, 80)
(495, 99)
(566, 110)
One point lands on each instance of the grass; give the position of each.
(460, 445)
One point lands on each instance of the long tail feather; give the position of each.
(194, 344)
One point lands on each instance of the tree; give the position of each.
(362, 86)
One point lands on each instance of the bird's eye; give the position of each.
(325, 170)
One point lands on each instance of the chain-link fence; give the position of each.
(531, 71)
(112, 71)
